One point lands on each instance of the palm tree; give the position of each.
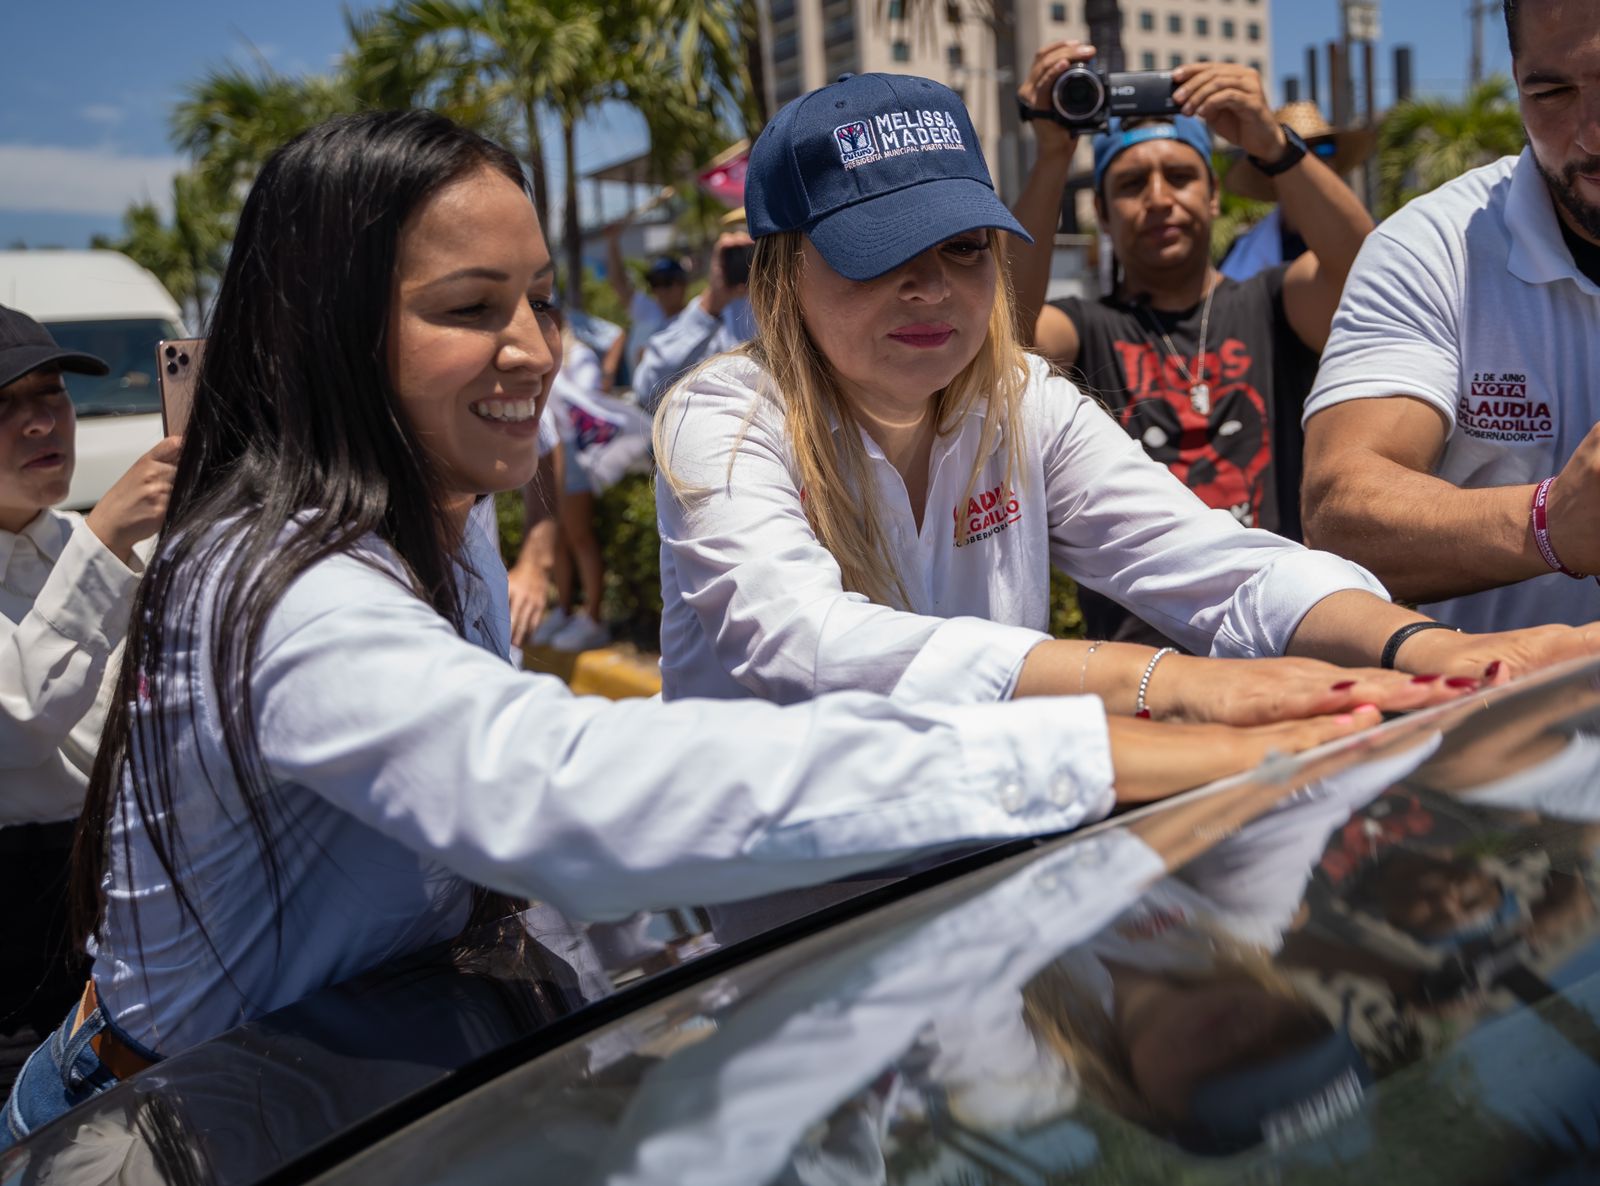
(188, 254)
(522, 56)
(232, 119)
(1424, 143)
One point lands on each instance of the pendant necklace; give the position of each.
(1199, 389)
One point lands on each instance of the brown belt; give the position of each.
(114, 1054)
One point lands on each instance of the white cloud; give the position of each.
(102, 113)
(82, 180)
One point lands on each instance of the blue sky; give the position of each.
(87, 88)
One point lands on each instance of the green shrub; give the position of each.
(625, 523)
(1066, 619)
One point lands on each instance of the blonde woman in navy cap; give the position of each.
(873, 493)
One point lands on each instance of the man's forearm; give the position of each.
(1327, 214)
(1424, 538)
(1038, 209)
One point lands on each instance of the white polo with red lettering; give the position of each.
(1469, 300)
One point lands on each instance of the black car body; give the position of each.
(1379, 962)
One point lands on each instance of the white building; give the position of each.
(812, 42)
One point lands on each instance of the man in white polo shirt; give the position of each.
(1451, 439)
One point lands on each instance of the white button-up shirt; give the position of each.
(692, 336)
(405, 760)
(64, 601)
(754, 604)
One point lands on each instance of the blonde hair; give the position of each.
(833, 466)
(1067, 1017)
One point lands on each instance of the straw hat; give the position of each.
(1341, 151)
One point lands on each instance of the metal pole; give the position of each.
(1475, 71)
(1369, 175)
(1336, 87)
(1311, 75)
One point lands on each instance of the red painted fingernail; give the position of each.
(1344, 685)
(1424, 679)
(1492, 670)
(1461, 681)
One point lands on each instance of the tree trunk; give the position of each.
(541, 184)
(571, 230)
(755, 68)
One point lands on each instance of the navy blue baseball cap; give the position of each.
(1297, 1095)
(666, 270)
(875, 169)
(1115, 140)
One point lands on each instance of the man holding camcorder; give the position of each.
(1208, 373)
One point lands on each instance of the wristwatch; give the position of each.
(1288, 158)
(1026, 113)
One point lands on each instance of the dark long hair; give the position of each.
(294, 419)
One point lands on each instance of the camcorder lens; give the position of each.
(1079, 95)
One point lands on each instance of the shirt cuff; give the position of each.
(89, 592)
(1268, 608)
(1027, 767)
(967, 661)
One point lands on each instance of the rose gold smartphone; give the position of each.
(178, 365)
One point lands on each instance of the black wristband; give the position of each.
(1391, 649)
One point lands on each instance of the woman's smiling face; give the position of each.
(902, 337)
(473, 337)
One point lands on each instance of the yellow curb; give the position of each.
(617, 672)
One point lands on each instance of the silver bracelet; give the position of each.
(1140, 708)
(1083, 672)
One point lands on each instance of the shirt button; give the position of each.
(1011, 797)
(1062, 792)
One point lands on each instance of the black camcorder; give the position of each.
(1084, 98)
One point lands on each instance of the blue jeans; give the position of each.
(60, 1075)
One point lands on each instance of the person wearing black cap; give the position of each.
(66, 584)
(1207, 374)
(871, 494)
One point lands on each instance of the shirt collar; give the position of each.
(1538, 255)
(971, 421)
(47, 531)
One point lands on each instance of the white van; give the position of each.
(103, 303)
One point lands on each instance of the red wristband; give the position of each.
(1541, 530)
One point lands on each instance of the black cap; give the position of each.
(25, 346)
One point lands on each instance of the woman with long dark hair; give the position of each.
(319, 747)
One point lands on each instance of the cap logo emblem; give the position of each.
(855, 142)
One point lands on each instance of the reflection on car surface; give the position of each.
(1375, 963)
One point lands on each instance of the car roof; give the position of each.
(925, 1026)
(52, 285)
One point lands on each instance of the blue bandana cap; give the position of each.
(1115, 140)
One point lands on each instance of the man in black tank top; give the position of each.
(1207, 373)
